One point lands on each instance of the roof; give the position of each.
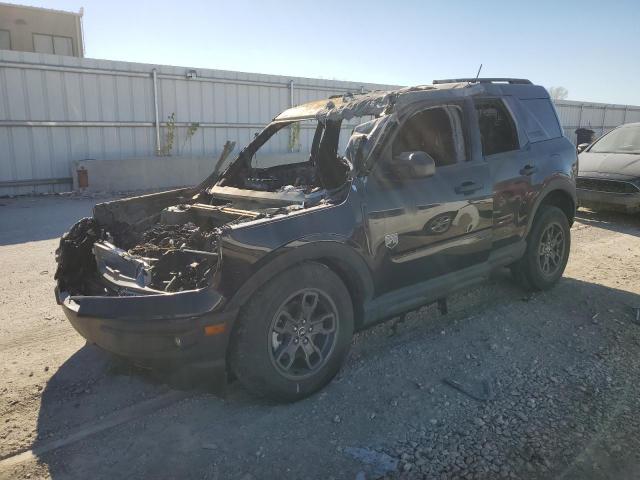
(352, 105)
(377, 102)
(41, 9)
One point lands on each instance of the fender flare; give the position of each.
(563, 184)
(343, 259)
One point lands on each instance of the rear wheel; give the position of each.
(293, 334)
(547, 250)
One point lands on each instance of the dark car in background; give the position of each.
(609, 171)
(267, 271)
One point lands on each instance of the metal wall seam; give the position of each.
(99, 109)
(124, 73)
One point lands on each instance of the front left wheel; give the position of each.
(293, 334)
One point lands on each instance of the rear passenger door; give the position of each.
(512, 167)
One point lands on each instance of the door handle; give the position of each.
(528, 170)
(468, 187)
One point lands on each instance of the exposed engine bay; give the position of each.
(169, 242)
(172, 250)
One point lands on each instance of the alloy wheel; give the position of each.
(303, 333)
(551, 249)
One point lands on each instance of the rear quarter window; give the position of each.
(541, 121)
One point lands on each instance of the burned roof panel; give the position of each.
(362, 104)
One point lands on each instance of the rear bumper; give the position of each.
(629, 202)
(154, 330)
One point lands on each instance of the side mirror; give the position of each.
(414, 165)
(582, 147)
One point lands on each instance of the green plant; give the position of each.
(191, 130)
(169, 135)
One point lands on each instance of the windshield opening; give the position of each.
(306, 155)
(620, 140)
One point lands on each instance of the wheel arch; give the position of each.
(340, 258)
(562, 200)
(560, 194)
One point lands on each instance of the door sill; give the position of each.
(414, 296)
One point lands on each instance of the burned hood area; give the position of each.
(97, 258)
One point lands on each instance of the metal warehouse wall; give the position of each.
(599, 117)
(55, 110)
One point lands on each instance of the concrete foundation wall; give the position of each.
(145, 173)
(142, 173)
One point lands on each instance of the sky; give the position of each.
(592, 48)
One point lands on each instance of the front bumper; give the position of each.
(154, 330)
(629, 202)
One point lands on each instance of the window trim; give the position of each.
(516, 128)
(53, 45)
(9, 34)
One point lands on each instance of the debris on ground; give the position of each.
(482, 391)
(379, 463)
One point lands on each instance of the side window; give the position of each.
(497, 130)
(436, 131)
(543, 123)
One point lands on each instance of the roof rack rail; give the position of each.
(484, 80)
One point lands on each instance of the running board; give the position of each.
(414, 296)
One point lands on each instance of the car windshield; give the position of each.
(294, 143)
(620, 140)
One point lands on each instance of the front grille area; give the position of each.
(609, 186)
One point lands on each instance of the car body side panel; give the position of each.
(557, 163)
(248, 249)
(422, 228)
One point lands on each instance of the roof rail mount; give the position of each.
(484, 80)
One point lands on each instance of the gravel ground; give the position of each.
(507, 385)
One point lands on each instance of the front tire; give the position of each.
(547, 252)
(293, 334)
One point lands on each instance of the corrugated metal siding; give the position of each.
(599, 117)
(112, 106)
(112, 103)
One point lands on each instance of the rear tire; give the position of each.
(548, 245)
(293, 334)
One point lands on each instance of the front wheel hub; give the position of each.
(551, 249)
(303, 333)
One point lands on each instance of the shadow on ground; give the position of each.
(613, 221)
(30, 219)
(382, 392)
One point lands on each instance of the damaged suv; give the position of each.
(266, 270)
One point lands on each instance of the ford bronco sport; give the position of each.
(266, 270)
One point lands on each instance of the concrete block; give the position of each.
(145, 173)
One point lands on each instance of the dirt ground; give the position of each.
(507, 385)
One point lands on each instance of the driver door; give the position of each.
(427, 227)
